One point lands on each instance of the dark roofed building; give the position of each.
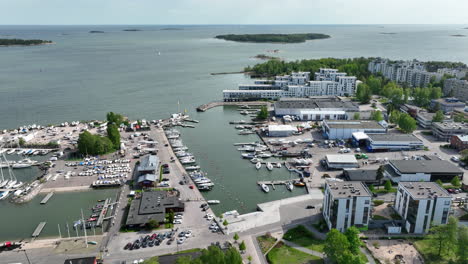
(422, 170)
(153, 206)
(147, 180)
(367, 176)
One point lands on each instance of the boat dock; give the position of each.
(103, 212)
(38, 229)
(46, 199)
(203, 108)
(278, 182)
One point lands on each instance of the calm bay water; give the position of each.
(84, 75)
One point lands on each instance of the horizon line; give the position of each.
(262, 24)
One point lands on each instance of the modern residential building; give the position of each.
(393, 142)
(346, 204)
(457, 73)
(281, 130)
(330, 82)
(422, 170)
(448, 105)
(460, 142)
(343, 129)
(317, 108)
(445, 130)
(412, 73)
(421, 204)
(340, 162)
(153, 206)
(149, 164)
(456, 88)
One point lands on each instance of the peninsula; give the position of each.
(273, 38)
(23, 42)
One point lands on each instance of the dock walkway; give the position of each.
(46, 199)
(38, 229)
(204, 107)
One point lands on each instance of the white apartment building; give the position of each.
(457, 73)
(456, 88)
(421, 204)
(328, 82)
(346, 204)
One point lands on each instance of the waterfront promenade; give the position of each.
(204, 107)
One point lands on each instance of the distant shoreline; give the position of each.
(22, 42)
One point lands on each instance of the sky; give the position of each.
(102, 12)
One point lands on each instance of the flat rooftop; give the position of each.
(361, 175)
(394, 137)
(281, 128)
(356, 124)
(341, 158)
(450, 125)
(425, 166)
(348, 189)
(152, 205)
(316, 103)
(463, 138)
(424, 190)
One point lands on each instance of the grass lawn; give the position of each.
(265, 242)
(382, 190)
(430, 252)
(281, 254)
(303, 237)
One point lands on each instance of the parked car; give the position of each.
(181, 240)
(177, 221)
(128, 246)
(454, 159)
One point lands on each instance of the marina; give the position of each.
(46, 199)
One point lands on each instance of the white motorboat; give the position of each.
(206, 184)
(188, 161)
(289, 186)
(20, 165)
(265, 188)
(11, 151)
(239, 127)
(213, 201)
(17, 185)
(4, 195)
(192, 168)
(246, 148)
(248, 155)
(264, 155)
(201, 181)
(10, 184)
(255, 160)
(258, 165)
(269, 166)
(278, 165)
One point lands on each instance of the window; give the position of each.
(367, 202)
(447, 203)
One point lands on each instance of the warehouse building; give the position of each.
(422, 170)
(341, 161)
(346, 204)
(422, 204)
(344, 129)
(393, 142)
(281, 130)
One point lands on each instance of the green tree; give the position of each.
(86, 143)
(236, 237)
(376, 115)
(452, 231)
(242, 246)
(335, 244)
(438, 117)
(388, 186)
(372, 188)
(394, 116)
(114, 135)
(458, 117)
(375, 84)
(212, 255)
(348, 257)
(225, 222)
(363, 93)
(153, 260)
(455, 181)
(462, 245)
(170, 217)
(356, 116)
(380, 174)
(406, 123)
(116, 119)
(184, 260)
(152, 224)
(21, 142)
(352, 234)
(263, 114)
(249, 258)
(439, 182)
(232, 256)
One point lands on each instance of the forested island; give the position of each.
(132, 29)
(273, 38)
(265, 57)
(23, 42)
(458, 35)
(96, 31)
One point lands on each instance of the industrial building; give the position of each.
(447, 105)
(317, 108)
(340, 161)
(281, 130)
(153, 206)
(422, 204)
(445, 130)
(344, 129)
(422, 170)
(346, 204)
(393, 142)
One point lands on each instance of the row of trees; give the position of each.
(213, 255)
(344, 248)
(356, 66)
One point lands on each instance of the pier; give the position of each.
(46, 199)
(38, 229)
(203, 108)
(102, 214)
(278, 182)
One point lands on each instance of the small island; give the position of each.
(23, 42)
(96, 31)
(273, 38)
(132, 29)
(265, 57)
(458, 35)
